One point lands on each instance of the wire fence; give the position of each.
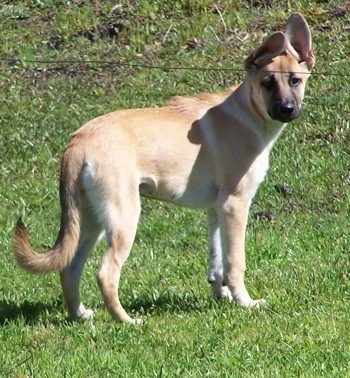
(153, 67)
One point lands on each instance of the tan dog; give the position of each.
(208, 151)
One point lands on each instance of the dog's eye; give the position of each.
(295, 81)
(269, 83)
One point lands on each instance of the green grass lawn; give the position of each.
(299, 261)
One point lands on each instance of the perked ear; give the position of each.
(270, 48)
(298, 40)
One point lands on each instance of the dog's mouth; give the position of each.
(285, 111)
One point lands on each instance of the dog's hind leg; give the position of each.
(215, 261)
(121, 224)
(90, 233)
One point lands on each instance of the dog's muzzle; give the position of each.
(284, 111)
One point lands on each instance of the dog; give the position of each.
(207, 151)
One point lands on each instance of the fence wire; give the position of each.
(153, 67)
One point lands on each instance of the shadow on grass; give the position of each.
(31, 312)
(169, 303)
(174, 303)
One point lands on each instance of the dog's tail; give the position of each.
(60, 255)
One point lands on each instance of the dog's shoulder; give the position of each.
(184, 105)
(200, 101)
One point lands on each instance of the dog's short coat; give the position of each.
(206, 151)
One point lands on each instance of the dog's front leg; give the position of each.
(215, 261)
(233, 217)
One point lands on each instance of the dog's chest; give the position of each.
(257, 172)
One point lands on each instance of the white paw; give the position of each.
(255, 303)
(222, 292)
(241, 296)
(136, 321)
(225, 293)
(87, 314)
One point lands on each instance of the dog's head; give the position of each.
(278, 70)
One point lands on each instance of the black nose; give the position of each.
(284, 111)
(287, 108)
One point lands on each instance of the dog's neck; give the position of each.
(261, 124)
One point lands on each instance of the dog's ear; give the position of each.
(298, 40)
(269, 49)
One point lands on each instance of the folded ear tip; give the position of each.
(270, 48)
(296, 38)
(279, 35)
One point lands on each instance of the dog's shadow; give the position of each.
(30, 312)
(179, 303)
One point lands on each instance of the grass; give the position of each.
(299, 261)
